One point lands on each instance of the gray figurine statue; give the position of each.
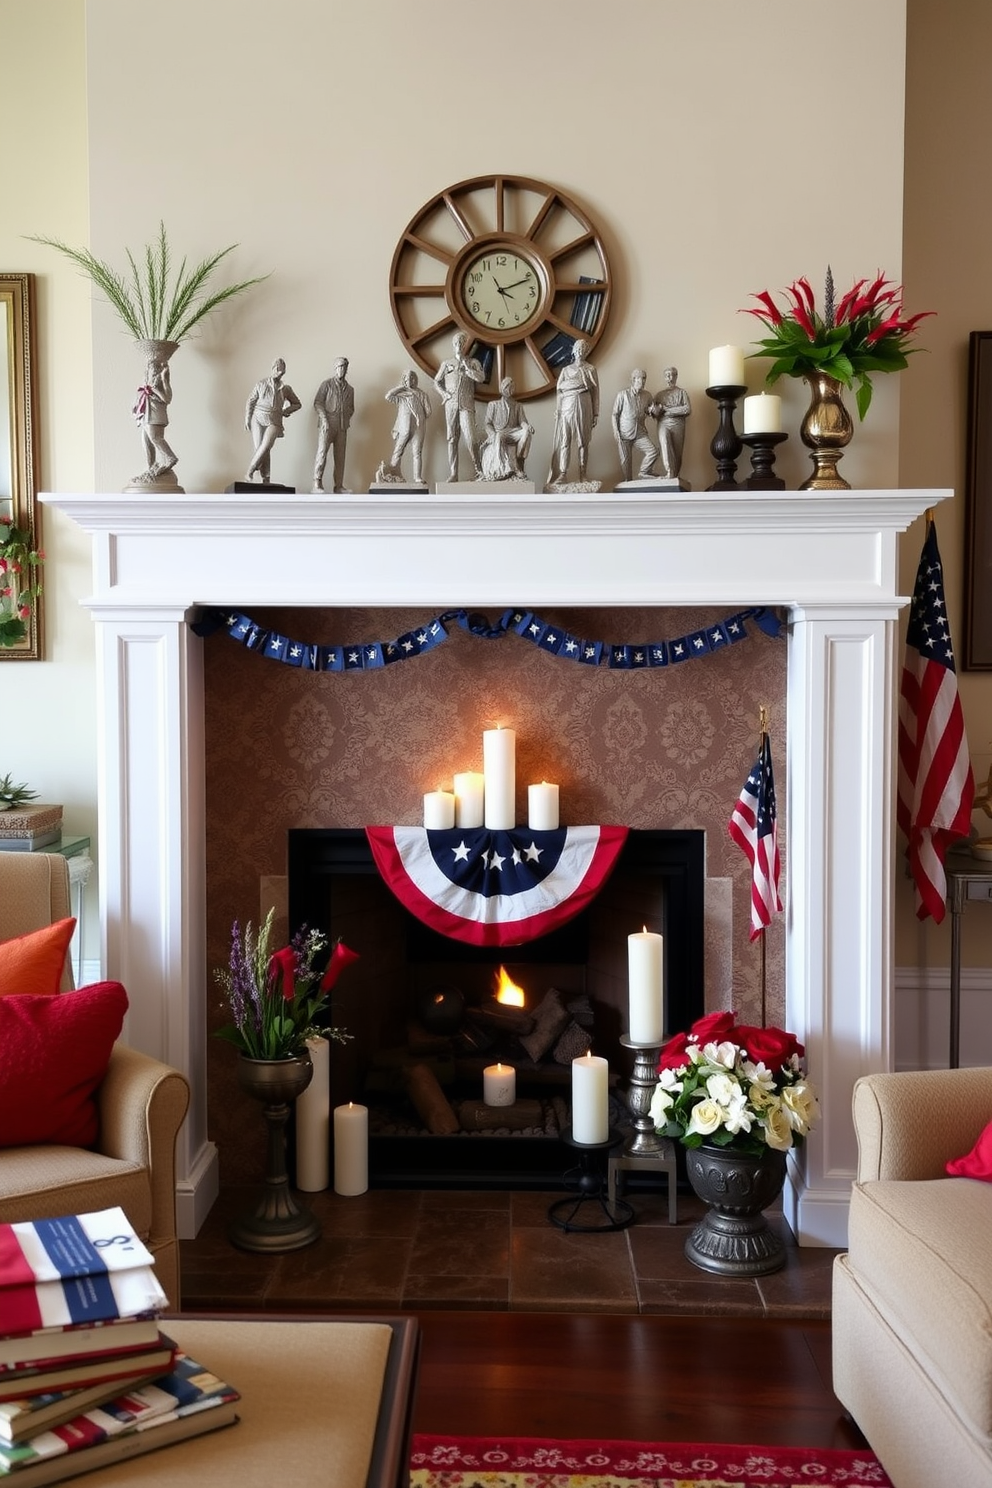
(630, 413)
(671, 407)
(151, 409)
(413, 409)
(576, 414)
(270, 403)
(508, 436)
(455, 380)
(335, 405)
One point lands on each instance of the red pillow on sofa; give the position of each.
(978, 1162)
(34, 962)
(54, 1051)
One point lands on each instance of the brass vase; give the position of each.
(278, 1222)
(826, 428)
(734, 1238)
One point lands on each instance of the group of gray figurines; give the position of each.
(499, 456)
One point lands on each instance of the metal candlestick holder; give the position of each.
(726, 443)
(762, 447)
(644, 1150)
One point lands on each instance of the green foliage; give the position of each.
(15, 795)
(20, 580)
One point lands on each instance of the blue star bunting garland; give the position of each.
(371, 656)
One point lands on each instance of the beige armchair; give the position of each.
(142, 1104)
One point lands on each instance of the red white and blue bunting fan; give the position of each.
(495, 888)
(371, 656)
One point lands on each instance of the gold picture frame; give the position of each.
(18, 434)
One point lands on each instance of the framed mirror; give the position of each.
(18, 434)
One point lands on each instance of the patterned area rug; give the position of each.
(521, 1462)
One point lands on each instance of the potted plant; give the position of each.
(738, 1099)
(12, 795)
(20, 581)
(866, 332)
(159, 308)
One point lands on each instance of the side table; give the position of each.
(76, 851)
(968, 880)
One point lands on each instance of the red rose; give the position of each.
(673, 1055)
(769, 1046)
(715, 1028)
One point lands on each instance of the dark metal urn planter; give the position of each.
(279, 1222)
(734, 1238)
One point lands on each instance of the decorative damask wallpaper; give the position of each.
(668, 747)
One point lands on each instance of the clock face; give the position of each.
(501, 289)
(513, 263)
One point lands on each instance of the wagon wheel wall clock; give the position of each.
(514, 263)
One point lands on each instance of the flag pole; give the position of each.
(762, 731)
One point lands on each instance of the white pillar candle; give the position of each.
(313, 1122)
(726, 367)
(439, 810)
(499, 1085)
(470, 788)
(351, 1149)
(542, 807)
(590, 1099)
(763, 414)
(645, 971)
(499, 764)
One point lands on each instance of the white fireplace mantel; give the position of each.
(829, 558)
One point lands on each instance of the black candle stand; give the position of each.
(762, 447)
(587, 1182)
(725, 445)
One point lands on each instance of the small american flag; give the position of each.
(754, 828)
(936, 785)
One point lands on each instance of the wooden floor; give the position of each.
(752, 1381)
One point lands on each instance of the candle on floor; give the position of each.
(313, 1122)
(351, 1149)
(439, 810)
(499, 1085)
(763, 414)
(590, 1099)
(726, 367)
(542, 807)
(645, 987)
(499, 763)
(469, 798)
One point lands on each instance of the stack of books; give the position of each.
(30, 828)
(87, 1376)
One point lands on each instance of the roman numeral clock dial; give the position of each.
(513, 262)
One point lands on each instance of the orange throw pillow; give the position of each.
(33, 962)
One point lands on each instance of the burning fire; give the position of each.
(507, 990)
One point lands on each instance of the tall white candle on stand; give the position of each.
(542, 807)
(313, 1122)
(439, 811)
(726, 367)
(645, 974)
(499, 763)
(470, 787)
(590, 1099)
(351, 1149)
(763, 414)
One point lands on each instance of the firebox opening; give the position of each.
(426, 1021)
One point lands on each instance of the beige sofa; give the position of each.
(142, 1105)
(912, 1296)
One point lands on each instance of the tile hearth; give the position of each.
(489, 1251)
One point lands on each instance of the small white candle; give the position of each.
(645, 971)
(763, 414)
(590, 1099)
(726, 367)
(351, 1149)
(542, 807)
(470, 788)
(499, 1085)
(439, 810)
(499, 763)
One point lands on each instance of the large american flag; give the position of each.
(753, 827)
(936, 785)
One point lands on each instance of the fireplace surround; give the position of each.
(829, 558)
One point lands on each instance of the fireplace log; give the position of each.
(422, 1041)
(476, 1116)
(497, 1017)
(432, 1104)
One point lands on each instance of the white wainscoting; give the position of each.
(922, 1016)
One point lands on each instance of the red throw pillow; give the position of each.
(978, 1162)
(34, 962)
(54, 1052)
